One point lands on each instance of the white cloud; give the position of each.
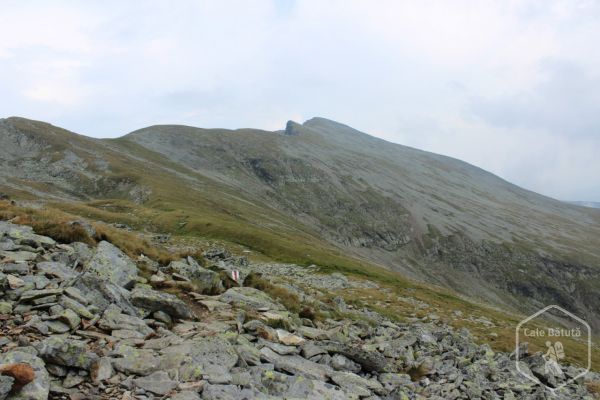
(474, 80)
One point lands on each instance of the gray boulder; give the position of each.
(370, 360)
(250, 298)
(102, 293)
(186, 395)
(211, 358)
(157, 383)
(75, 306)
(5, 307)
(343, 363)
(135, 361)
(56, 269)
(67, 352)
(296, 365)
(152, 300)
(356, 384)
(114, 319)
(206, 280)
(230, 392)
(23, 233)
(110, 263)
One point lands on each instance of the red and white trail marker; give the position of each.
(235, 275)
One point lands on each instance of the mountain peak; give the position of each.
(325, 123)
(292, 128)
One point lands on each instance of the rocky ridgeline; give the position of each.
(81, 323)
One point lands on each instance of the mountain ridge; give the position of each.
(428, 216)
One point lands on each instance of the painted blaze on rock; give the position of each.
(549, 366)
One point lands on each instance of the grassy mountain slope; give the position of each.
(323, 193)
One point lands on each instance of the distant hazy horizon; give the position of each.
(512, 87)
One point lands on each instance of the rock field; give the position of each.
(86, 323)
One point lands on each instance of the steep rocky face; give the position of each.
(68, 342)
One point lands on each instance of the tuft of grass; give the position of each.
(309, 312)
(49, 223)
(418, 373)
(58, 225)
(594, 388)
(278, 324)
(289, 300)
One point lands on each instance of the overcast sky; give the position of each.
(512, 87)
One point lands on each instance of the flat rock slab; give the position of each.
(114, 319)
(157, 383)
(135, 361)
(19, 269)
(296, 365)
(186, 395)
(230, 392)
(24, 232)
(211, 357)
(356, 384)
(36, 294)
(153, 300)
(56, 269)
(19, 256)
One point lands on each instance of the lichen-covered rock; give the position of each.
(284, 386)
(230, 392)
(153, 300)
(296, 365)
(68, 352)
(56, 269)
(24, 233)
(5, 307)
(135, 361)
(210, 357)
(113, 319)
(19, 256)
(73, 305)
(110, 263)
(102, 293)
(186, 395)
(39, 388)
(157, 383)
(248, 354)
(250, 298)
(356, 384)
(33, 294)
(206, 280)
(370, 360)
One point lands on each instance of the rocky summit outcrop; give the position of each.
(86, 335)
